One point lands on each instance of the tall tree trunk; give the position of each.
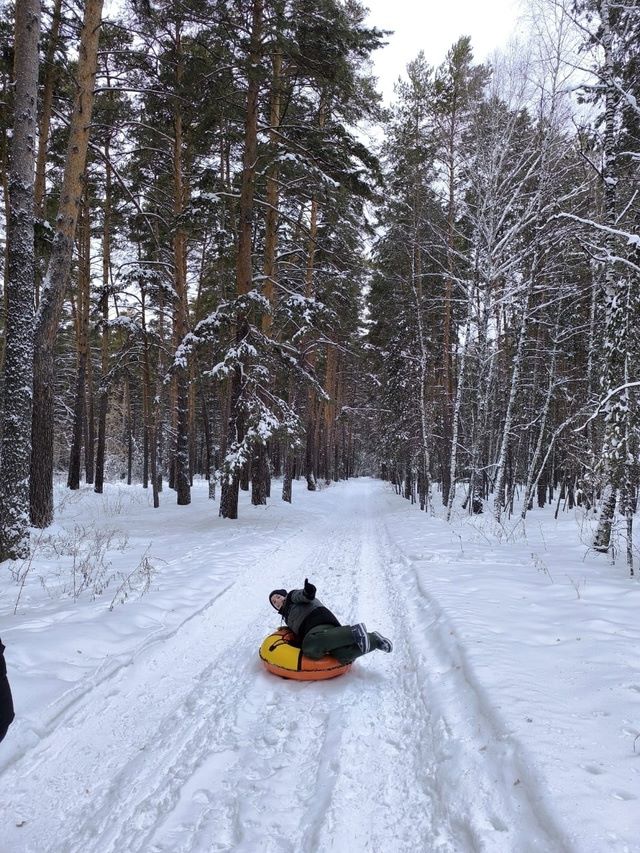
(615, 344)
(207, 428)
(103, 395)
(244, 267)
(89, 437)
(4, 179)
(150, 418)
(181, 459)
(329, 411)
(287, 472)
(532, 479)
(82, 337)
(592, 380)
(447, 330)
(629, 500)
(259, 474)
(50, 307)
(128, 426)
(230, 486)
(505, 443)
(272, 196)
(210, 472)
(50, 75)
(423, 356)
(18, 358)
(288, 451)
(602, 538)
(487, 366)
(311, 434)
(311, 453)
(458, 404)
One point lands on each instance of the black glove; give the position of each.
(309, 590)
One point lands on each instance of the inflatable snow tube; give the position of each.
(281, 656)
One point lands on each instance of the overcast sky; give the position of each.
(433, 26)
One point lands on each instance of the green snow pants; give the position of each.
(329, 640)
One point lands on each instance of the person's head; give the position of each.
(277, 598)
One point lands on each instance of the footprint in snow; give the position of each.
(623, 795)
(593, 769)
(497, 824)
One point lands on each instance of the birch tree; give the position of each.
(611, 41)
(402, 289)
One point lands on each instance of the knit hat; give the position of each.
(282, 592)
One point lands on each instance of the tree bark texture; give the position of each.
(259, 475)
(244, 264)
(180, 321)
(18, 358)
(50, 307)
(458, 405)
(615, 450)
(312, 414)
(505, 444)
(272, 197)
(103, 395)
(46, 111)
(82, 337)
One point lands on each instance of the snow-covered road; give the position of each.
(186, 744)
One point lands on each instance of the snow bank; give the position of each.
(504, 721)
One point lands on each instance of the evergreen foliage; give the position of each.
(251, 289)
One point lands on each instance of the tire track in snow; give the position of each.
(288, 759)
(194, 751)
(493, 805)
(364, 790)
(384, 790)
(73, 701)
(146, 713)
(309, 771)
(272, 772)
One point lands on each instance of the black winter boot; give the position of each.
(382, 643)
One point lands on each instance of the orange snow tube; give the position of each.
(281, 656)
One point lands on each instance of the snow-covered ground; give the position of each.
(505, 720)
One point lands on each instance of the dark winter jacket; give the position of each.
(302, 613)
(6, 702)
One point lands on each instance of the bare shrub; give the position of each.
(89, 570)
(137, 582)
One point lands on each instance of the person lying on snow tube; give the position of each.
(318, 630)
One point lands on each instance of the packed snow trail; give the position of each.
(192, 747)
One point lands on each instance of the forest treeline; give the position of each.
(224, 257)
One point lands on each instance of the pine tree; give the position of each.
(18, 356)
(49, 309)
